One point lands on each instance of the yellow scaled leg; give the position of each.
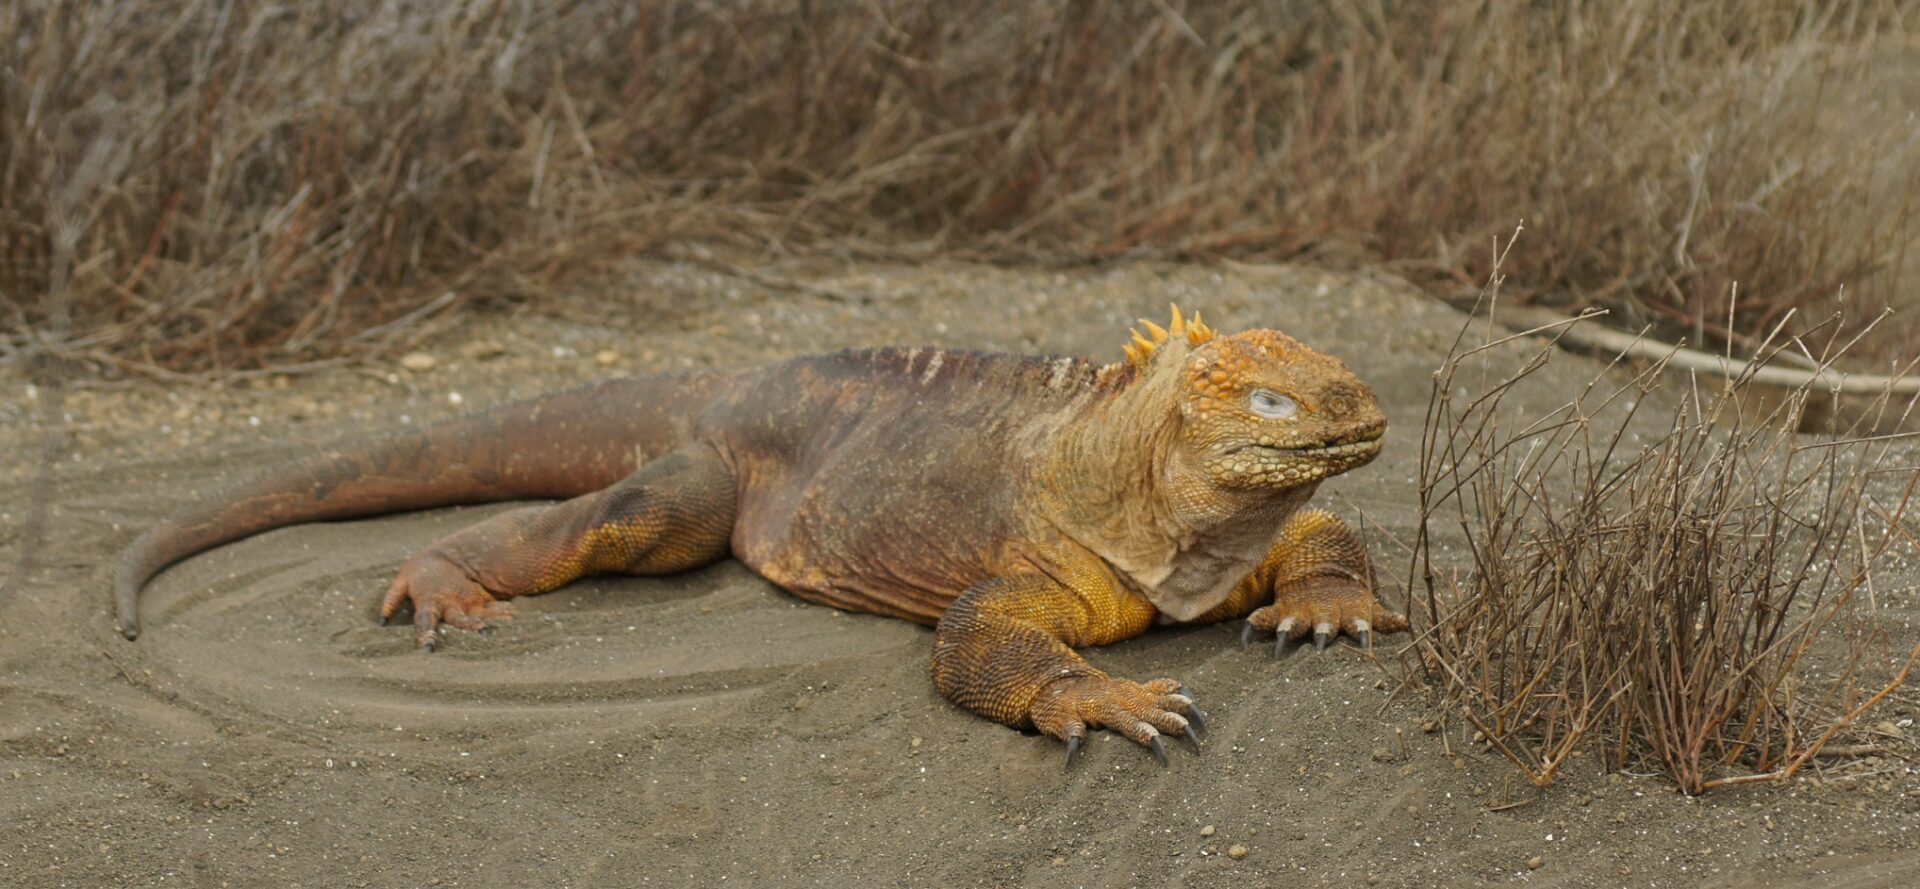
(672, 514)
(1317, 579)
(1005, 651)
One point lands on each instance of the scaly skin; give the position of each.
(1025, 506)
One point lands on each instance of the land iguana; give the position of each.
(1024, 506)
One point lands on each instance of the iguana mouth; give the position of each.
(1318, 452)
(1350, 449)
(1356, 448)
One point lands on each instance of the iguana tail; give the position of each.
(557, 446)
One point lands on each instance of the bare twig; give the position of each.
(1621, 343)
(1658, 600)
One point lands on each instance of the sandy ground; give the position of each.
(707, 729)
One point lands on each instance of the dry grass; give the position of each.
(201, 185)
(1684, 588)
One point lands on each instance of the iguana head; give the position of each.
(1258, 409)
(1202, 447)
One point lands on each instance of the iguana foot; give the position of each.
(442, 593)
(1326, 610)
(1144, 712)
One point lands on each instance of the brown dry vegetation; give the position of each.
(1684, 588)
(195, 185)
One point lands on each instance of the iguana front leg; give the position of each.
(1316, 579)
(672, 514)
(1004, 650)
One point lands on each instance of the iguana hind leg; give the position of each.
(672, 514)
(1317, 579)
(1005, 651)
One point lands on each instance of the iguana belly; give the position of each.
(860, 549)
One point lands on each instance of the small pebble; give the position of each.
(483, 350)
(1236, 851)
(915, 743)
(1535, 862)
(1889, 727)
(1382, 754)
(606, 358)
(418, 361)
(1207, 831)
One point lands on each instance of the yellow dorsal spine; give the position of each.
(1141, 349)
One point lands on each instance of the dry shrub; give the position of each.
(1686, 587)
(192, 185)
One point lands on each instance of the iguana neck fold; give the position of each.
(1100, 476)
(1115, 478)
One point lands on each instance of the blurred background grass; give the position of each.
(204, 186)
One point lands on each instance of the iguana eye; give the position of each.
(1272, 405)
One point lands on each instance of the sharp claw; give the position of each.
(1073, 747)
(1366, 640)
(429, 647)
(1320, 639)
(1280, 645)
(383, 620)
(1159, 750)
(1246, 635)
(1193, 736)
(1196, 718)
